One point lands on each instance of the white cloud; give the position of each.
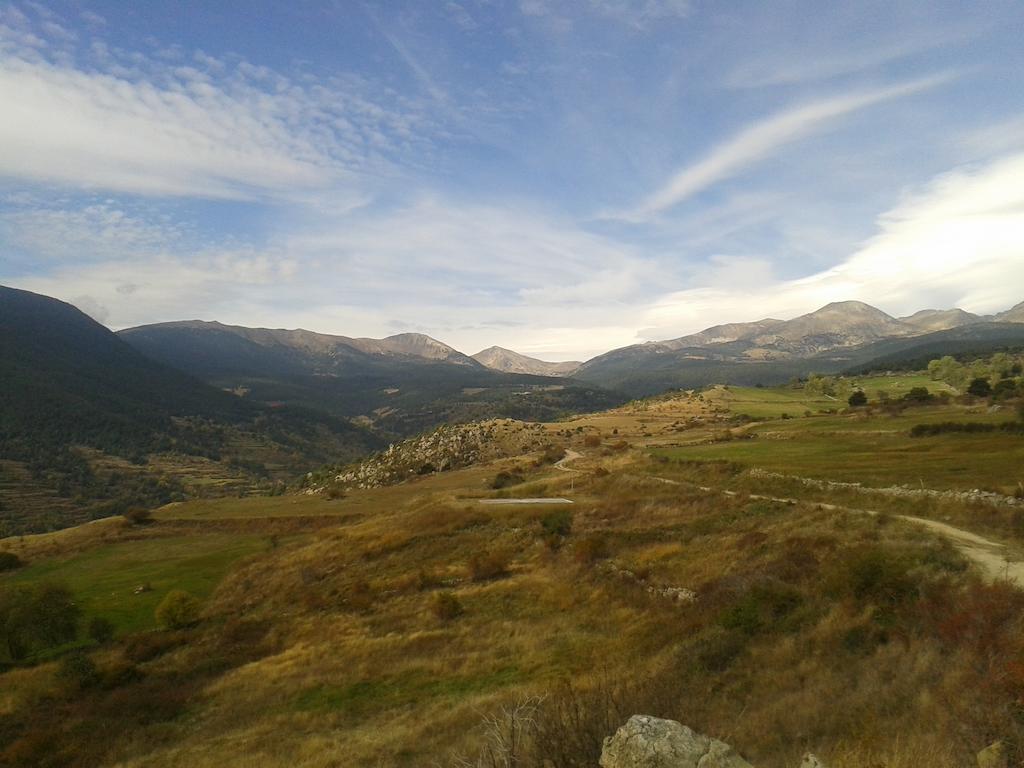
(208, 128)
(959, 242)
(757, 142)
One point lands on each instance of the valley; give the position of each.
(708, 561)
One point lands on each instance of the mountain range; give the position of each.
(90, 418)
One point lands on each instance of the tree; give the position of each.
(979, 387)
(100, 629)
(858, 399)
(918, 395)
(177, 610)
(9, 561)
(36, 618)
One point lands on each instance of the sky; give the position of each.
(560, 178)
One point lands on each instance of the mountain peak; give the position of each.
(509, 361)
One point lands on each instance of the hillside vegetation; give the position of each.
(381, 625)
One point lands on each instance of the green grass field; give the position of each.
(104, 578)
(877, 450)
(772, 403)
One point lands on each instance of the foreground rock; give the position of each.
(649, 742)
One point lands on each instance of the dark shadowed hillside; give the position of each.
(74, 393)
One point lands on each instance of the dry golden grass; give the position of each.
(354, 667)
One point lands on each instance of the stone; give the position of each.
(650, 742)
(993, 756)
(811, 761)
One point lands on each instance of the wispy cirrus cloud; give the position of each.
(758, 141)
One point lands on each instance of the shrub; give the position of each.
(858, 399)
(148, 645)
(556, 526)
(36, 618)
(717, 648)
(138, 516)
(78, 670)
(761, 608)
(552, 453)
(918, 395)
(504, 479)
(178, 610)
(592, 441)
(872, 574)
(100, 629)
(488, 565)
(9, 561)
(979, 387)
(447, 606)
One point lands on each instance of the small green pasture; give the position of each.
(878, 451)
(103, 579)
(775, 402)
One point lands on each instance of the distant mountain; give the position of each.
(913, 354)
(928, 320)
(501, 359)
(828, 340)
(723, 334)
(77, 400)
(400, 385)
(1014, 315)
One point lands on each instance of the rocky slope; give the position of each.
(446, 448)
(941, 319)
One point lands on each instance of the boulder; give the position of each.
(649, 742)
(993, 756)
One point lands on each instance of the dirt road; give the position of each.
(992, 557)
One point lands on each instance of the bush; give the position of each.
(555, 526)
(504, 479)
(100, 629)
(178, 610)
(979, 387)
(36, 618)
(147, 646)
(858, 399)
(592, 441)
(918, 395)
(78, 670)
(872, 574)
(447, 606)
(488, 565)
(9, 561)
(552, 453)
(138, 516)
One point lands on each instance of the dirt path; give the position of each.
(570, 455)
(992, 557)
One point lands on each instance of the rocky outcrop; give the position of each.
(650, 742)
(452, 446)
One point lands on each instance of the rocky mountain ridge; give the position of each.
(508, 361)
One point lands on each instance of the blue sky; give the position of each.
(557, 177)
